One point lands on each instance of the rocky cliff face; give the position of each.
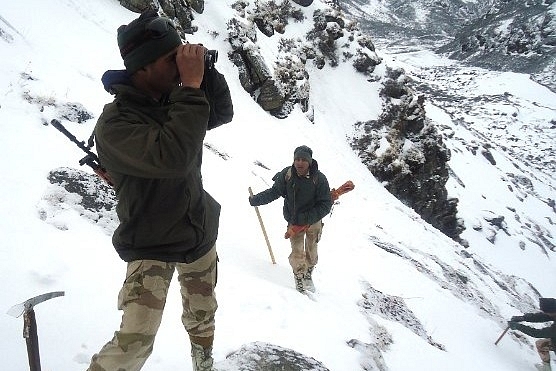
(330, 39)
(404, 150)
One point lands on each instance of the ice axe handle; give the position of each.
(501, 335)
(32, 340)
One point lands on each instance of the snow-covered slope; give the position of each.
(393, 292)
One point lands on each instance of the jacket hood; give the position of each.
(115, 77)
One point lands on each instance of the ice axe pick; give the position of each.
(30, 325)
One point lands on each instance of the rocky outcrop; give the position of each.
(260, 356)
(181, 12)
(82, 192)
(138, 5)
(289, 83)
(303, 2)
(170, 7)
(276, 92)
(404, 150)
(254, 74)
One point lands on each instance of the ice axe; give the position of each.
(30, 325)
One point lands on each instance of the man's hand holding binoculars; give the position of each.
(190, 59)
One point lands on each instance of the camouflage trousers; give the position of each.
(304, 253)
(142, 299)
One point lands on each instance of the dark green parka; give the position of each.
(153, 152)
(306, 199)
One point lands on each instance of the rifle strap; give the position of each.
(91, 141)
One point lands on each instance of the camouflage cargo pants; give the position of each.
(304, 248)
(142, 299)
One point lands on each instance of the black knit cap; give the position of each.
(303, 152)
(146, 39)
(547, 305)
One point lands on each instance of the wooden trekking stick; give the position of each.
(264, 230)
(501, 335)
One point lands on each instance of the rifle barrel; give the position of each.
(58, 125)
(91, 159)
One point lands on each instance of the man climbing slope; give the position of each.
(307, 200)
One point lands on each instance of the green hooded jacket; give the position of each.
(153, 152)
(306, 199)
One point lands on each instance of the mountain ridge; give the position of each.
(503, 35)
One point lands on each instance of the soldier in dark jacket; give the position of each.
(150, 140)
(547, 334)
(307, 200)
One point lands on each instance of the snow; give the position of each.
(57, 52)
